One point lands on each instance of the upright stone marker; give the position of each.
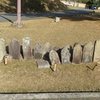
(65, 55)
(45, 50)
(27, 48)
(14, 49)
(38, 51)
(97, 51)
(2, 49)
(88, 53)
(54, 58)
(77, 54)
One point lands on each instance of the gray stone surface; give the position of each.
(88, 52)
(54, 58)
(52, 96)
(45, 50)
(65, 55)
(27, 48)
(2, 49)
(57, 19)
(97, 51)
(43, 64)
(38, 51)
(14, 49)
(77, 54)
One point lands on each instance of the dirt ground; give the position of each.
(24, 76)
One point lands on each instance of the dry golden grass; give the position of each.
(24, 76)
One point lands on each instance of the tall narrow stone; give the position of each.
(37, 51)
(54, 58)
(88, 53)
(65, 55)
(14, 49)
(97, 51)
(2, 49)
(27, 48)
(77, 54)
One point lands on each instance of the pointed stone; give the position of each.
(65, 55)
(54, 58)
(2, 49)
(97, 51)
(37, 51)
(27, 48)
(14, 49)
(88, 52)
(77, 54)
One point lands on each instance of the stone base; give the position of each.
(18, 25)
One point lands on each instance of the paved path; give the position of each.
(52, 96)
(31, 16)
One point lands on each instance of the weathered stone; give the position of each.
(27, 48)
(7, 59)
(97, 51)
(2, 49)
(54, 58)
(65, 55)
(57, 19)
(38, 51)
(88, 53)
(43, 64)
(14, 49)
(77, 54)
(45, 50)
(56, 48)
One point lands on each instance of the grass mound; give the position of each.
(9, 6)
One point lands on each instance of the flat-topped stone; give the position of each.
(27, 48)
(38, 51)
(43, 64)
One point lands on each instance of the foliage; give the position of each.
(32, 6)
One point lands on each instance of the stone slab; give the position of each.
(43, 64)
(38, 51)
(2, 49)
(14, 49)
(27, 48)
(97, 51)
(88, 52)
(65, 55)
(77, 54)
(54, 58)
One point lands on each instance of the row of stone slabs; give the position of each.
(80, 53)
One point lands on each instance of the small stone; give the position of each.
(7, 59)
(57, 19)
(43, 64)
